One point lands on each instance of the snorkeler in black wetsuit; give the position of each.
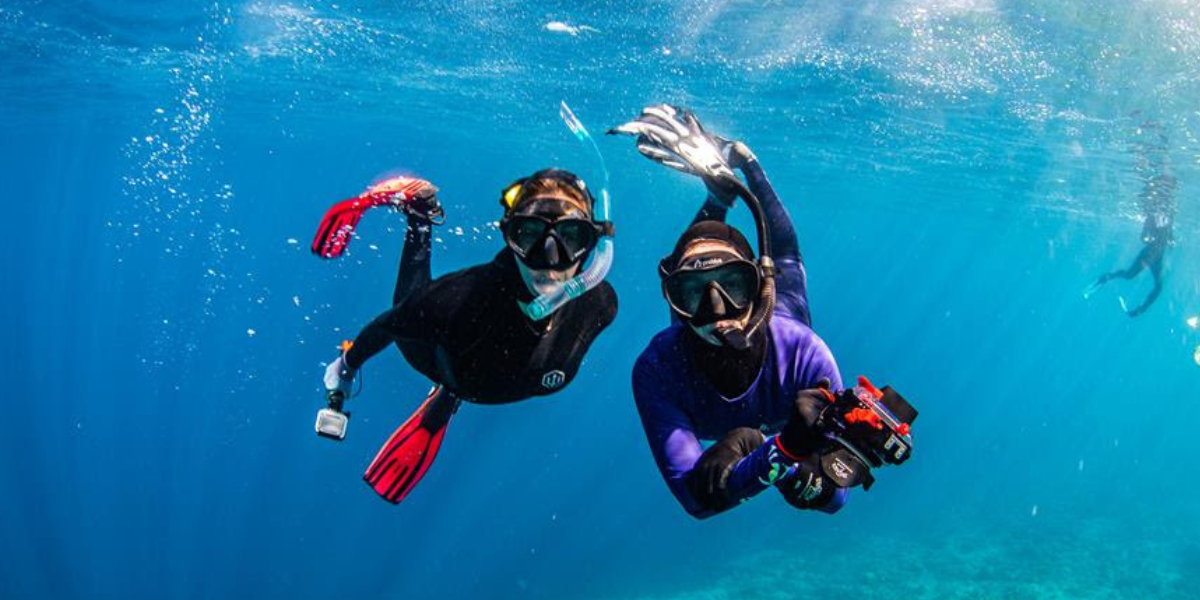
(1158, 212)
(467, 332)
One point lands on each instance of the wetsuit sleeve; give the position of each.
(669, 430)
(727, 475)
(814, 363)
(791, 293)
(408, 321)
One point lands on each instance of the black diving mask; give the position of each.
(549, 241)
(712, 287)
(544, 243)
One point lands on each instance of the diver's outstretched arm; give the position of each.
(393, 325)
(784, 243)
(791, 280)
(341, 372)
(373, 338)
(703, 482)
(672, 136)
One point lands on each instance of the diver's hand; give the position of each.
(801, 436)
(339, 379)
(737, 155)
(806, 486)
(674, 137)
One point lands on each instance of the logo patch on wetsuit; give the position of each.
(553, 379)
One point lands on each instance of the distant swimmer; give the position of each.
(509, 329)
(1157, 201)
(740, 364)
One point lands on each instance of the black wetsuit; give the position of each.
(465, 331)
(1158, 210)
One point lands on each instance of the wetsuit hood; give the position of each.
(707, 230)
(731, 371)
(715, 304)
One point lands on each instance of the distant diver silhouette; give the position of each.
(1157, 201)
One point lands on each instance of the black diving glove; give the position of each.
(806, 486)
(848, 433)
(802, 436)
(709, 476)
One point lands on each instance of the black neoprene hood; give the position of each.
(707, 230)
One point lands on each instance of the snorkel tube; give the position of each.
(601, 258)
(740, 339)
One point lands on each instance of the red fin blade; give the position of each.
(337, 227)
(410, 451)
(333, 235)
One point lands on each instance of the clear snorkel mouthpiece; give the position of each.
(601, 259)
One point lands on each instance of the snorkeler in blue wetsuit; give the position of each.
(727, 369)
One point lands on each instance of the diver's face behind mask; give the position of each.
(713, 290)
(550, 236)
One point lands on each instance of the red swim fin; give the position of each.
(407, 455)
(333, 235)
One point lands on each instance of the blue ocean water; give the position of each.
(959, 170)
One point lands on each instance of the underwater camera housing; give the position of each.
(872, 426)
(331, 421)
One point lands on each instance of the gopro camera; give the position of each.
(331, 421)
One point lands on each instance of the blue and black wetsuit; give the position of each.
(688, 391)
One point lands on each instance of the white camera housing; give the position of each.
(332, 424)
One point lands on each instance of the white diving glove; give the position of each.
(339, 378)
(339, 381)
(674, 137)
